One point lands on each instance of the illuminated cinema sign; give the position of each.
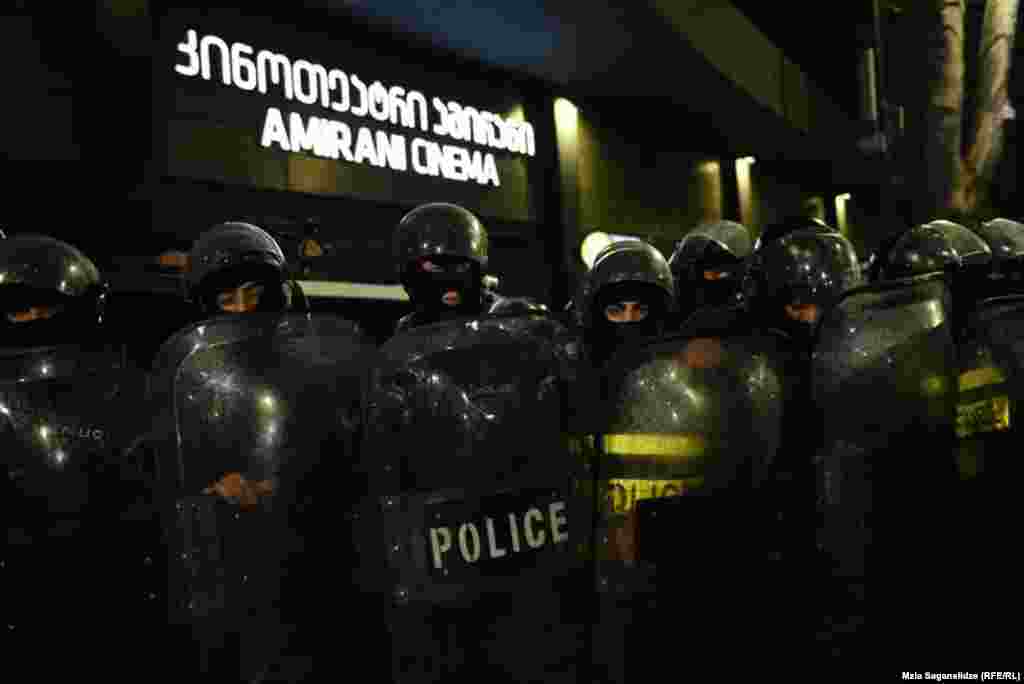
(376, 104)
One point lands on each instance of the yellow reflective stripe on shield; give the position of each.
(988, 415)
(980, 377)
(664, 447)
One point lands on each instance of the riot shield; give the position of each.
(257, 417)
(467, 536)
(80, 535)
(885, 382)
(990, 395)
(991, 354)
(690, 433)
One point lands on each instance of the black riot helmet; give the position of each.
(1006, 240)
(970, 281)
(237, 266)
(50, 293)
(627, 296)
(791, 225)
(972, 278)
(441, 255)
(941, 246)
(920, 250)
(974, 253)
(800, 276)
(516, 306)
(707, 264)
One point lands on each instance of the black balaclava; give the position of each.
(272, 300)
(449, 236)
(718, 250)
(715, 293)
(609, 336)
(427, 289)
(230, 255)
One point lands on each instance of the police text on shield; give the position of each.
(521, 531)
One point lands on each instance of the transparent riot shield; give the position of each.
(885, 383)
(988, 458)
(991, 352)
(78, 530)
(258, 419)
(468, 536)
(690, 429)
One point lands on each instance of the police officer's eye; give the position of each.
(460, 268)
(33, 313)
(614, 309)
(624, 312)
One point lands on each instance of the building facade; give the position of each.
(165, 120)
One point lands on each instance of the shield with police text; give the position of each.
(468, 536)
(258, 419)
(885, 382)
(691, 430)
(66, 413)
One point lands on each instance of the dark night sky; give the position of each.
(820, 37)
(512, 34)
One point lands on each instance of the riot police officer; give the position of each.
(768, 270)
(50, 292)
(975, 257)
(798, 277)
(627, 297)
(441, 252)
(1006, 240)
(790, 225)
(936, 246)
(790, 285)
(943, 246)
(237, 267)
(924, 249)
(707, 265)
(66, 396)
(972, 251)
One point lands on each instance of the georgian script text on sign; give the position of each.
(334, 90)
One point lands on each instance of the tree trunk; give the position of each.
(943, 22)
(956, 177)
(994, 59)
